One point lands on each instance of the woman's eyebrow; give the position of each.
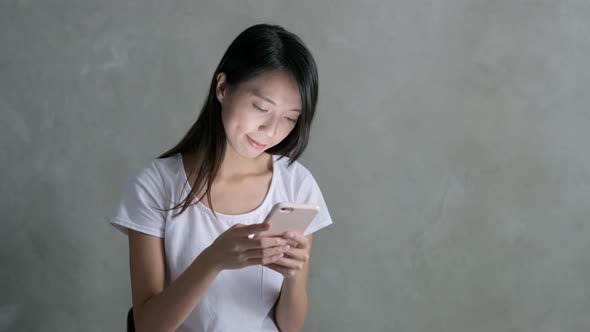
(259, 95)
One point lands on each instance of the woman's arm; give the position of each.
(291, 309)
(156, 308)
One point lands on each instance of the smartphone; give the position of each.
(285, 216)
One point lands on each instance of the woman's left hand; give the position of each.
(294, 258)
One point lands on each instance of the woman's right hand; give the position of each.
(235, 249)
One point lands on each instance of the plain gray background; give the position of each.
(451, 145)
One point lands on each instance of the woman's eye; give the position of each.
(263, 110)
(260, 109)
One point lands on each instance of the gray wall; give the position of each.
(451, 145)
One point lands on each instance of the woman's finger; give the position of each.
(287, 273)
(264, 260)
(262, 242)
(265, 252)
(297, 254)
(298, 240)
(253, 230)
(289, 263)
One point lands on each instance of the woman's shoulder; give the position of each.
(295, 170)
(158, 171)
(296, 178)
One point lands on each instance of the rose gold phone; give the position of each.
(285, 217)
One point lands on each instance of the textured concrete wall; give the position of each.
(451, 145)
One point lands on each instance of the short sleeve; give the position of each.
(141, 207)
(309, 192)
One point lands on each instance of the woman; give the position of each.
(194, 264)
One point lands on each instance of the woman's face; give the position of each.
(262, 110)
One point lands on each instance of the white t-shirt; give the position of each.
(237, 300)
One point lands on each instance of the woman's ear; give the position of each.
(221, 88)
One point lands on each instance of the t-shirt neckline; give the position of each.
(229, 218)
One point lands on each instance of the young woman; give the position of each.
(194, 264)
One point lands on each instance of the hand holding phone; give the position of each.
(285, 217)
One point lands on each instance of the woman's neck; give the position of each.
(236, 166)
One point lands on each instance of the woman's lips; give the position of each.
(255, 144)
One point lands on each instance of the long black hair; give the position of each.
(258, 49)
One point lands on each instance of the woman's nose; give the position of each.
(269, 126)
